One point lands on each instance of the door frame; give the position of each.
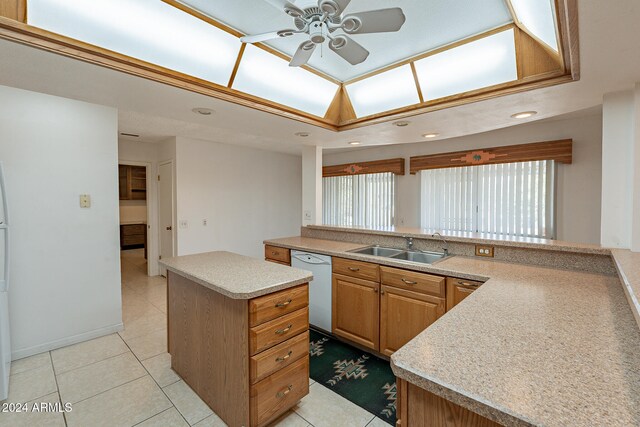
(174, 249)
(152, 225)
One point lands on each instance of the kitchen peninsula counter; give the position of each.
(238, 334)
(533, 346)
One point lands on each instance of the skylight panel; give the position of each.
(538, 16)
(149, 30)
(479, 64)
(383, 92)
(270, 77)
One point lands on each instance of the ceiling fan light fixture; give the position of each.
(351, 25)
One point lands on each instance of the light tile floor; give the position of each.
(125, 379)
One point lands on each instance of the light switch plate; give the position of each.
(85, 201)
(484, 250)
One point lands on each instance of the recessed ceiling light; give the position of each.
(203, 111)
(132, 135)
(430, 135)
(524, 114)
(302, 134)
(354, 143)
(401, 123)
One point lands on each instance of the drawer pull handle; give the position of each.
(283, 358)
(473, 285)
(354, 269)
(284, 392)
(283, 304)
(409, 282)
(284, 331)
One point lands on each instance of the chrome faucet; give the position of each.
(445, 246)
(409, 242)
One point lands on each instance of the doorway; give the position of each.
(137, 201)
(166, 211)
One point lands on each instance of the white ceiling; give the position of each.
(610, 58)
(430, 24)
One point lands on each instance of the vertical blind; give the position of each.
(515, 199)
(359, 200)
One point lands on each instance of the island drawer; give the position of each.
(269, 307)
(277, 254)
(413, 281)
(284, 354)
(358, 269)
(277, 393)
(275, 331)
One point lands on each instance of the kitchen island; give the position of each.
(238, 333)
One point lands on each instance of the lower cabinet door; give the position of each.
(355, 310)
(404, 314)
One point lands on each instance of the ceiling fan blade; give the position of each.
(288, 7)
(333, 7)
(348, 49)
(257, 38)
(303, 54)
(374, 21)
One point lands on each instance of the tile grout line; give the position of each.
(161, 389)
(89, 364)
(55, 378)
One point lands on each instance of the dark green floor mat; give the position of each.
(360, 377)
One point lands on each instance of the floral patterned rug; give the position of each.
(360, 377)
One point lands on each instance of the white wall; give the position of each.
(579, 184)
(65, 264)
(246, 196)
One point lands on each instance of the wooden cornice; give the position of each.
(395, 166)
(536, 68)
(560, 151)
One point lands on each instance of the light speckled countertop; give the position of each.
(236, 276)
(628, 266)
(533, 346)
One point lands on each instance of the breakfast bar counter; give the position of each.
(238, 334)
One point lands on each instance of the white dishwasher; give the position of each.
(319, 287)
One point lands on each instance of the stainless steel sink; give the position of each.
(378, 251)
(402, 254)
(422, 257)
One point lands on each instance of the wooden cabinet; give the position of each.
(459, 289)
(355, 310)
(277, 255)
(247, 360)
(132, 182)
(133, 236)
(417, 407)
(404, 314)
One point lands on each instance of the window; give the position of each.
(359, 200)
(512, 199)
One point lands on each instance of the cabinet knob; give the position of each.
(381, 291)
(169, 228)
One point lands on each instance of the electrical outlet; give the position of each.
(184, 224)
(85, 201)
(204, 222)
(307, 215)
(486, 251)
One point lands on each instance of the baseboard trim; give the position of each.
(52, 345)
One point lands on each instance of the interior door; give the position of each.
(165, 205)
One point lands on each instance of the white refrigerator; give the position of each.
(5, 344)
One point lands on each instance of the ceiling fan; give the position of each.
(322, 20)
